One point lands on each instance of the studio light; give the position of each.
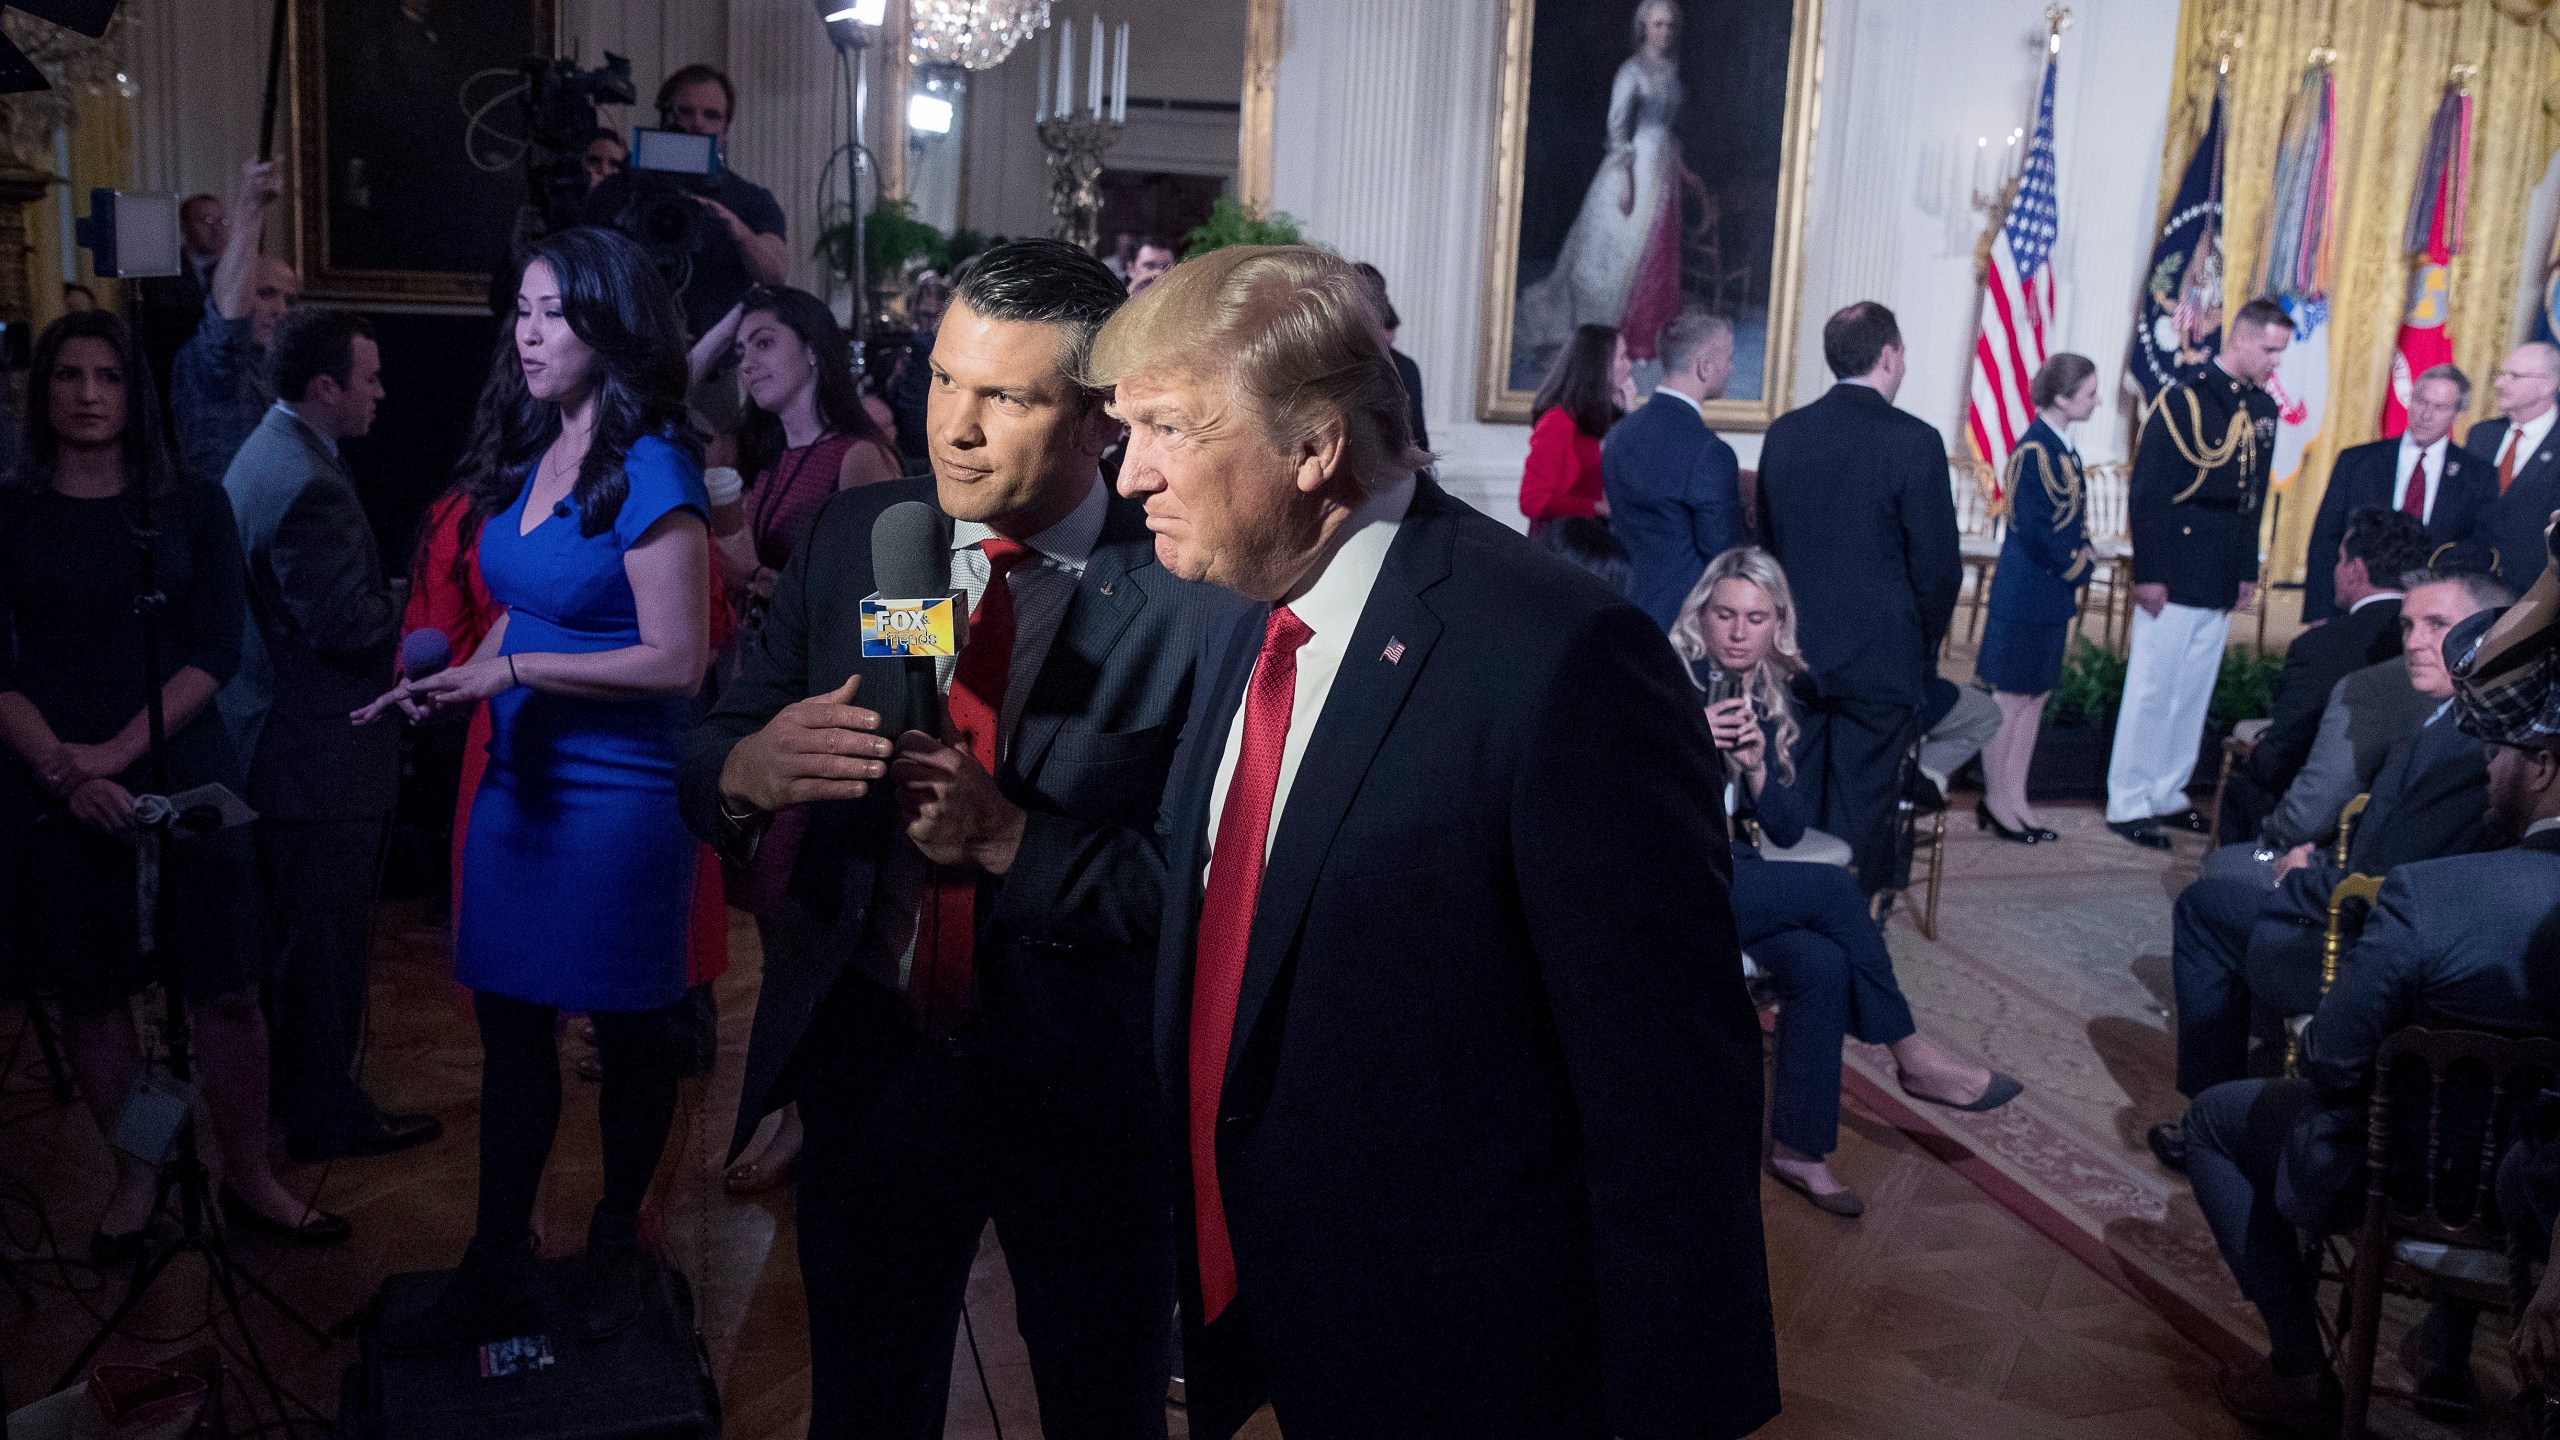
(928, 114)
(860, 12)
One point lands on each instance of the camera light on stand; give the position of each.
(928, 114)
(861, 12)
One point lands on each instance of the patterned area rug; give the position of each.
(2052, 963)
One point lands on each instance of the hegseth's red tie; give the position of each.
(942, 983)
(2413, 501)
(1226, 924)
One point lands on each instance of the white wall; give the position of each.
(1192, 51)
(1383, 132)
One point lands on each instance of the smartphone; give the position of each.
(1725, 685)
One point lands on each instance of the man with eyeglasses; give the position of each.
(218, 388)
(2520, 445)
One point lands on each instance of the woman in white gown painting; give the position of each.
(1620, 264)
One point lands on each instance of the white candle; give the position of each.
(1093, 79)
(1043, 113)
(1120, 77)
(1066, 70)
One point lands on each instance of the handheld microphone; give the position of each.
(424, 652)
(911, 566)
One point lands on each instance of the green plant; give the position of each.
(2245, 690)
(2091, 687)
(892, 235)
(1232, 222)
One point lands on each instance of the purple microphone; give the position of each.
(424, 652)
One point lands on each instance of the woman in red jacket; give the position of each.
(1585, 392)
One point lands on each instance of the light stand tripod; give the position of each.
(200, 1227)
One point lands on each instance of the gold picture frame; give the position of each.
(1502, 395)
(414, 246)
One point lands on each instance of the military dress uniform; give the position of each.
(2199, 481)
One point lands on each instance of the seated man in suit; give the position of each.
(2461, 942)
(959, 983)
(2422, 474)
(2368, 712)
(2525, 456)
(1674, 487)
(1857, 504)
(2374, 547)
(1450, 996)
(2236, 943)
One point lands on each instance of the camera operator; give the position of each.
(745, 244)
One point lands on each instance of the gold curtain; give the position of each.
(2393, 58)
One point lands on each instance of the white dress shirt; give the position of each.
(2547, 822)
(1330, 607)
(2409, 458)
(2526, 439)
(2376, 596)
(1684, 398)
(1041, 589)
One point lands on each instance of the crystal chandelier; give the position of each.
(974, 34)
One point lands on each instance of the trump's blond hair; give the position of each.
(1295, 333)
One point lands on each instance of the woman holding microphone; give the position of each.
(577, 874)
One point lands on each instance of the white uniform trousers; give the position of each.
(2168, 685)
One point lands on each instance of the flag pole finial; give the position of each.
(2056, 20)
(2463, 73)
(2226, 43)
(2323, 56)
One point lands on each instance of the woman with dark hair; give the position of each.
(805, 433)
(1585, 392)
(577, 874)
(72, 696)
(1801, 920)
(2035, 590)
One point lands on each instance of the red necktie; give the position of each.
(1226, 925)
(2413, 501)
(2507, 457)
(942, 984)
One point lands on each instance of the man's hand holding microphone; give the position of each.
(822, 748)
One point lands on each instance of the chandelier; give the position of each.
(973, 34)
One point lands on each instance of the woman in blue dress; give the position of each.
(578, 876)
(2035, 590)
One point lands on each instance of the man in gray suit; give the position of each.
(319, 643)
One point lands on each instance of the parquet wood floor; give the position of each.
(1939, 1314)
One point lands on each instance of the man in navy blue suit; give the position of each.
(2524, 454)
(1450, 997)
(1675, 489)
(2422, 474)
(1857, 503)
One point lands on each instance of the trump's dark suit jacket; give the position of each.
(1857, 503)
(1067, 937)
(2364, 475)
(1488, 1136)
(2512, 524)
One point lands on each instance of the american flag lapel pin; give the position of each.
(1394, 654)
(1106, 587)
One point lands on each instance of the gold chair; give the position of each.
(2347, 818)
(2432, 1228)
(1980, 521)
(2333, 950)
(2110, 592)
(1918, 836)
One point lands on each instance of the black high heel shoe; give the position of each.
(1983, 819)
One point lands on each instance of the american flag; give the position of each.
(2017, 302)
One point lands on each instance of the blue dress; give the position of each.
(2035, 590)
(577, 876)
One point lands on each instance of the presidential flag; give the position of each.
(2180, 326)
(2017, 301)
